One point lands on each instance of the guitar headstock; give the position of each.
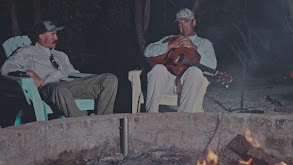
(226, 79)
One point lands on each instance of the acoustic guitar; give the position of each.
(180, 59)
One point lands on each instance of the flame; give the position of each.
(251, 140)
(203, 163)
(246, 162)
(281, 163)
(250, 161)
(255, 143)
(211, 157)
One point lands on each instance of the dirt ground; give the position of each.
(158, 157)
(271, 93)
(169, 156)
(261, 93)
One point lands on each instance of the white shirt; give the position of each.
(204, 48)
(36, 58)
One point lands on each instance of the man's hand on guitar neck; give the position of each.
(181, 42)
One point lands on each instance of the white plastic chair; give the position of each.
(166, 99)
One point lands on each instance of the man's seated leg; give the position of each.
(160, 81)
(191, 82)
(198, 105)
(58, 96)
(107, 93)
(101, 87)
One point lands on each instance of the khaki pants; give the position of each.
(161, 81)
(60, 95)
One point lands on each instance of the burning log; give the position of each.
(246, 151)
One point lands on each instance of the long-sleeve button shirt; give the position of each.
(204, 48)
(37, 59)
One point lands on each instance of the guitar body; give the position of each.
(179, 59)
(173, 60)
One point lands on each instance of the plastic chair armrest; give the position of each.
(23, 80)
(134, 78)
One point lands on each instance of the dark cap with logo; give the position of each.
(45, 26)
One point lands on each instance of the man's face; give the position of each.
(186, 27)
(48, 39)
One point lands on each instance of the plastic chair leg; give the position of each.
(61, 117)
(18, 118)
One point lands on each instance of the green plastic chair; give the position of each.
(29, 89)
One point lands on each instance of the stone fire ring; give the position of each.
(96, 136)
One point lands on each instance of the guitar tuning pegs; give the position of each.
(227, 86)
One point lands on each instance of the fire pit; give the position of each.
(99, 137)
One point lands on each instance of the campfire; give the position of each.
(241, 150)
(163, 139)
(247, 148)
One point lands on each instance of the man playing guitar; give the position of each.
(188, 81)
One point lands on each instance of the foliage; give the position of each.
(75, 15)
(248, 29)
(237, 29)
(80, 16)
(89, 25)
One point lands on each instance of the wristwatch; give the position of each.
(17, 74)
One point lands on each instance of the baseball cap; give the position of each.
(185, 14)
(46, 26)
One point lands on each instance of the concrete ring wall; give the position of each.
(97, 136)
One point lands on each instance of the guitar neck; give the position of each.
(200, 66)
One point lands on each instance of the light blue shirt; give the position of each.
(36, 58)
(204, 48)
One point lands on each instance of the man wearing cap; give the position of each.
(50, 68)
(160, 80)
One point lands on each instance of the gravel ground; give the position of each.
(264, 94)
(169, 156)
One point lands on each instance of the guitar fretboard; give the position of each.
(200, 66)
